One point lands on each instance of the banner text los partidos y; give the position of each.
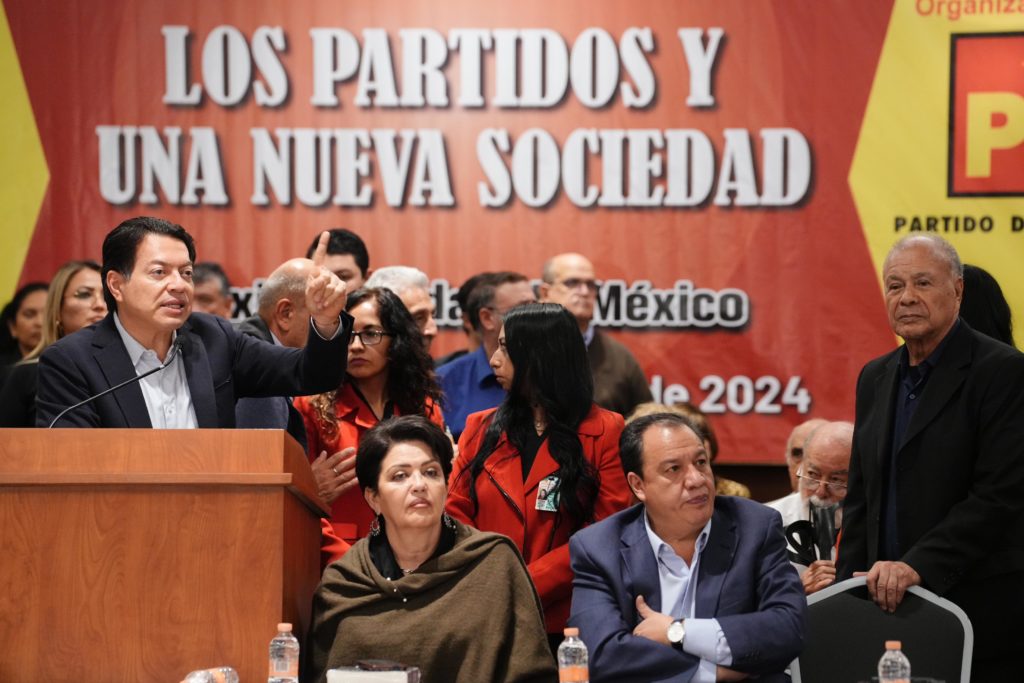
(530, 69)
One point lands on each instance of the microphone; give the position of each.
(175, 349)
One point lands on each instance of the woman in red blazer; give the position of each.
(545, 463)
(389, 373)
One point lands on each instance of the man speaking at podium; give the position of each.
(197, 364)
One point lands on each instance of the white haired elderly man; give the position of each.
(412, 286)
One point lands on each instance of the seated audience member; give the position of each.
(282, 319)
(74, 301)
(147, 285)
(795, 449)
(545, 463)
(21, 325)
(619, 381)
(346, 257)
(823, 477)
(984, 307)
(686, 586)
(389, 373)
(424, 589)
(473, 340)
(723, 486)
(469, 383)
(413, 288)
(212, 290)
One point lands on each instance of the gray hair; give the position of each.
(840, 433)
(939, 245)
(398, 279)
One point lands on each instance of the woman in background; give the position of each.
(389, 373)
(423, 589)
(74, 301)
(545, 463)
(984, 307)
(21, 325)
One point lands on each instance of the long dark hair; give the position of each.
(411, 379)
(984, 307)
(550, 370)
(9, 313)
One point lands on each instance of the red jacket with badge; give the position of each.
(508, 505)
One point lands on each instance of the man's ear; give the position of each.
(115, 283)
(542, 291)
(487, 319)
(637, 485)
(284, 312)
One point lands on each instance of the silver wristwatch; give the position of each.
(676, 633)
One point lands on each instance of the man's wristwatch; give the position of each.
(676, 633)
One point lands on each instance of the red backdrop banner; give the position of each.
(696, 152)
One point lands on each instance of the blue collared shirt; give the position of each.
(469, 386)
(166, 393)
(678, 581)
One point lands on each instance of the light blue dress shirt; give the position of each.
(168, 398)
(704, 637)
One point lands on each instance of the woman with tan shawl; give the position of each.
(423, 589)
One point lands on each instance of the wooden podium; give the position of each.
(140, 555)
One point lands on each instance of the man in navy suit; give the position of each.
(147, 282)
(684, 587)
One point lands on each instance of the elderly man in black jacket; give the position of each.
(938, 460)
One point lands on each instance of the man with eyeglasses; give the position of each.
(468, 383)
(619, 382)
(822, 478)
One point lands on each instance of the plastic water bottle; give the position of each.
(573, 661)
(222, 674)
(893, 667)
(284, 656)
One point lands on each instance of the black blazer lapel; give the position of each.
(200, 381)
(714, 563)
(885, 394)
(640, 575)
(116, 366)
(947, 377)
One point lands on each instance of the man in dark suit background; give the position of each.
(936, 492)
(282, 319)
(687, 586)
(147, 269)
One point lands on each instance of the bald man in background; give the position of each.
(619, 382)
(795, 448)
(283, 320)
(823, 477)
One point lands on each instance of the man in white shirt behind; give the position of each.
(822, 478)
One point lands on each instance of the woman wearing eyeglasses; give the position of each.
(73, 301)
(389, 373)
(545, 463)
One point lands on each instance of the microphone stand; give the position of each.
(175, 348)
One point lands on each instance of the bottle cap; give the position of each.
(284, 628)
(571, 632)
(893, 645)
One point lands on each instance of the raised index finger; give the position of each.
(321, 248)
